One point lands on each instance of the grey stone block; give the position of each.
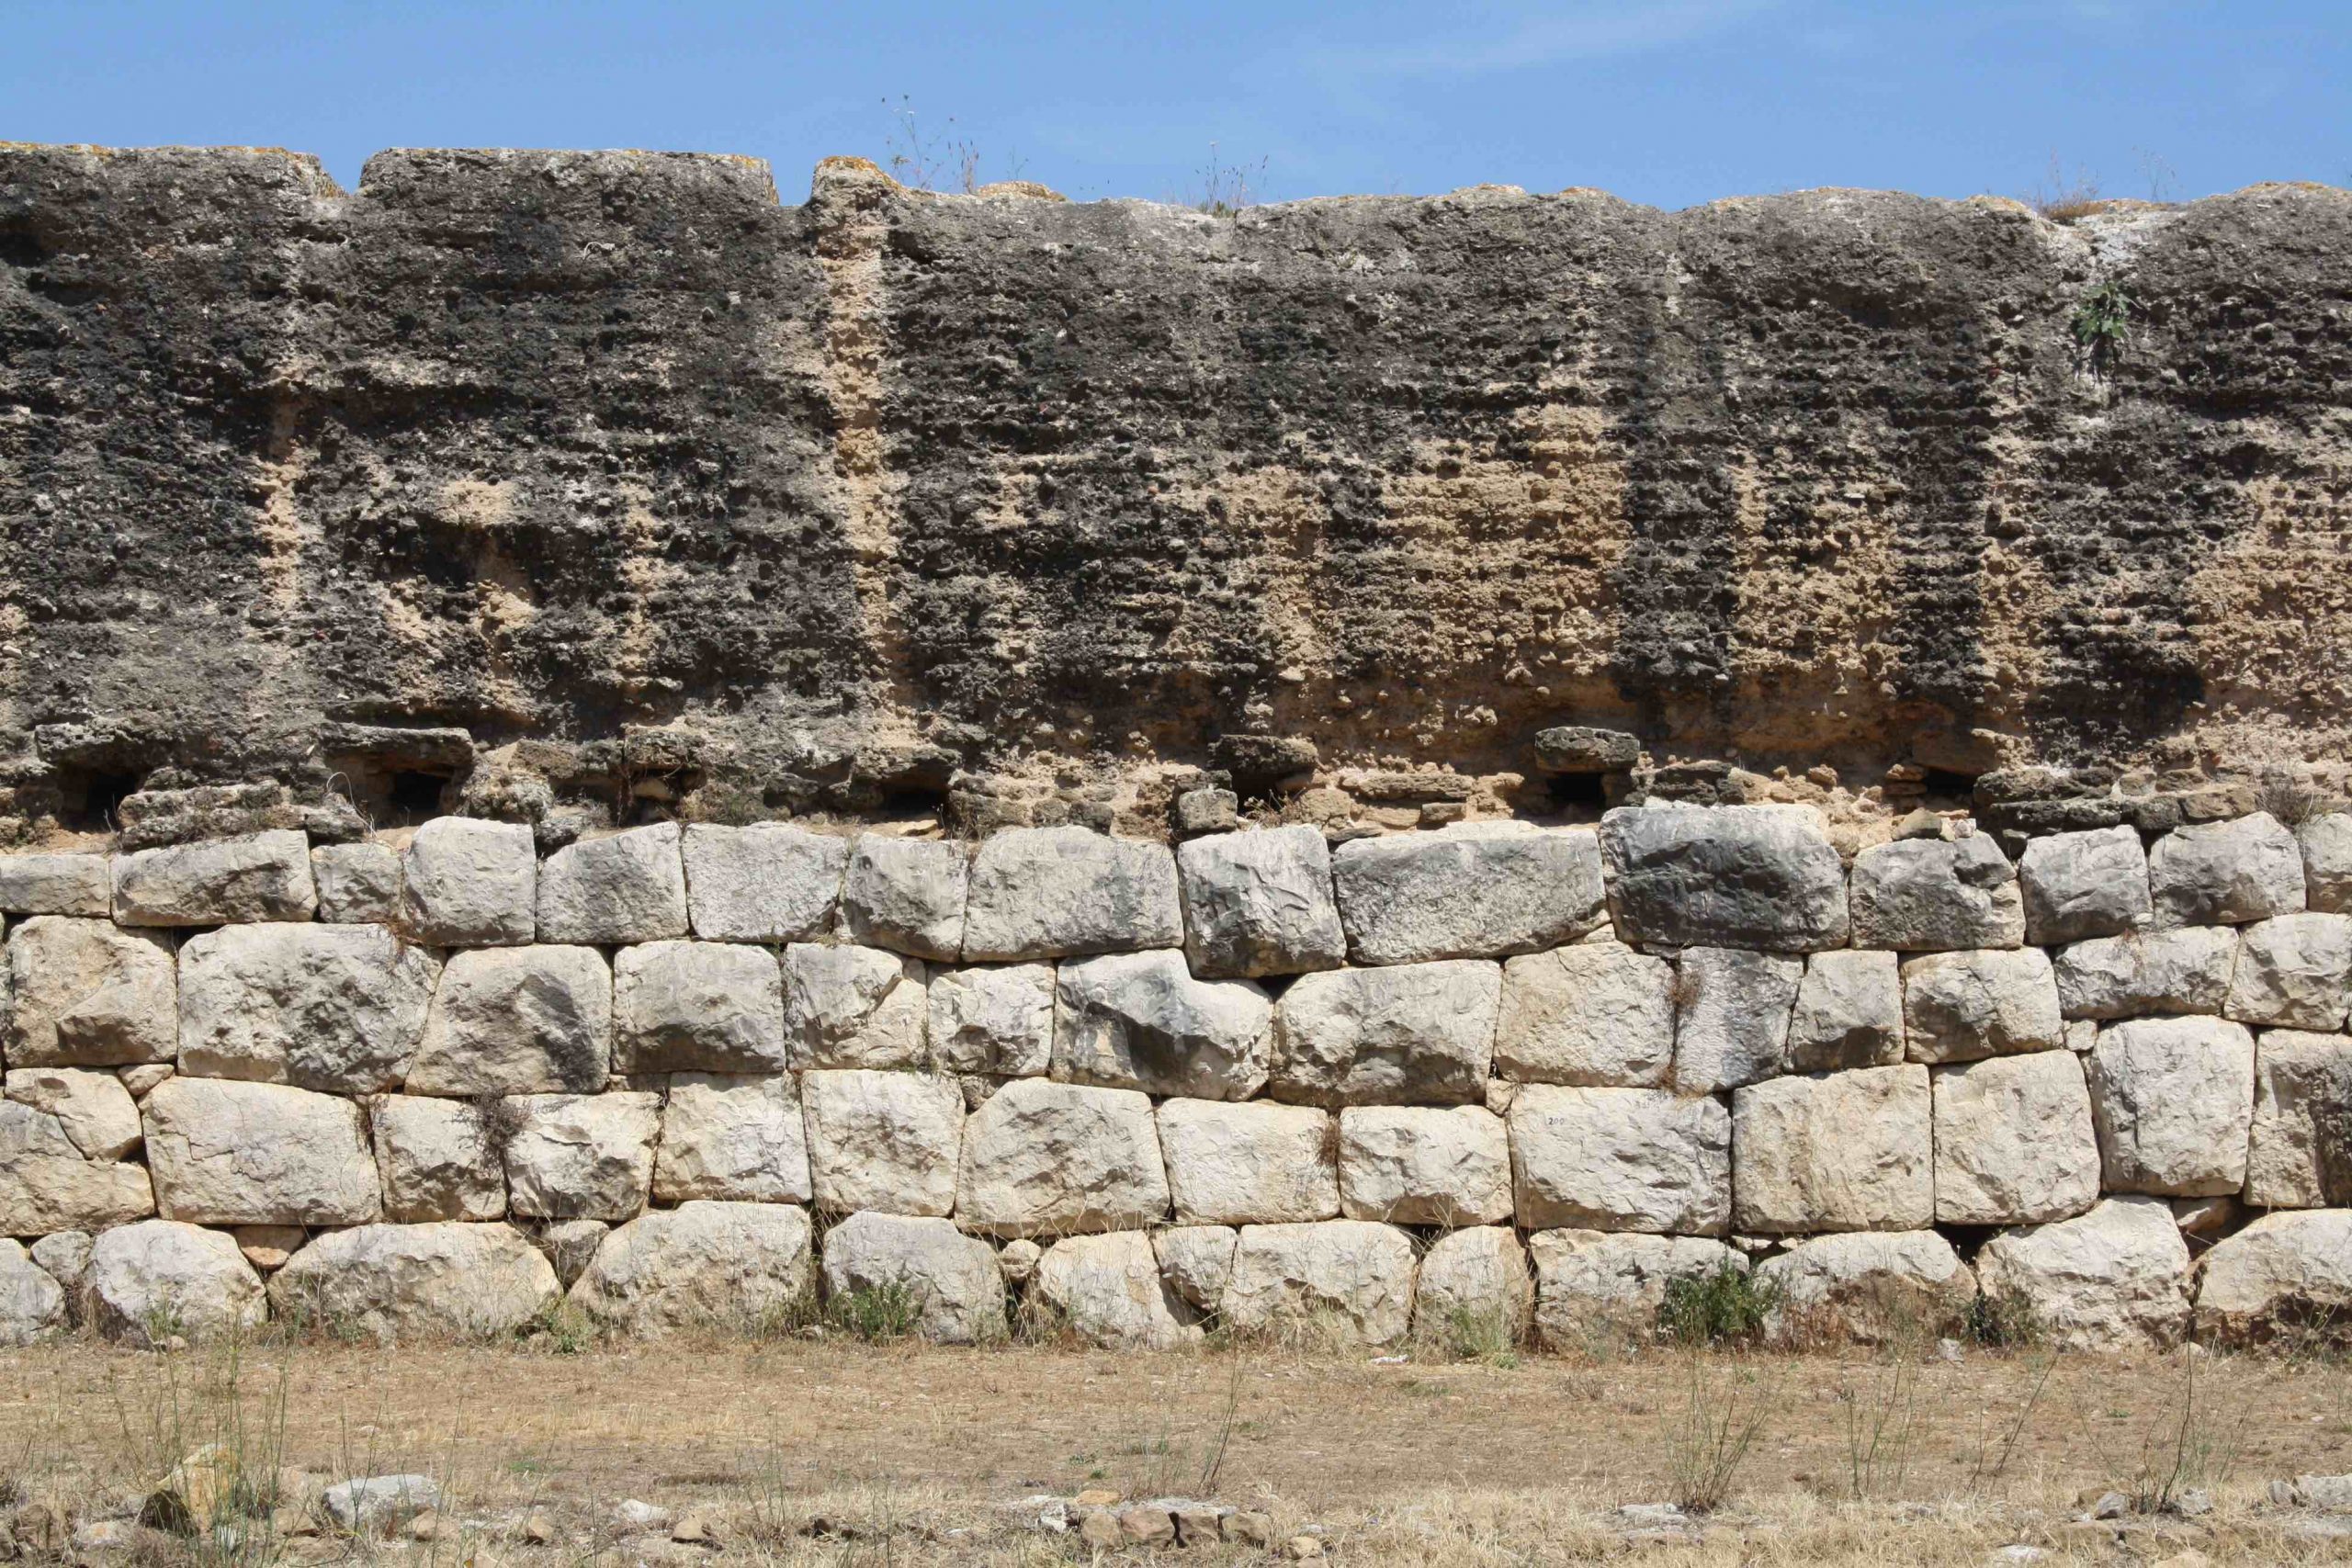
(1474, 890)
(1259, 903)
(1753, 876)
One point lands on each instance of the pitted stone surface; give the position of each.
(47, 1184)
(2186, 969)
(579, 1157)
(56, 883)
(518, 1020)
(1043, 1159)
(1594, 1289)
(1936, 895)
(1419, 1033)
(732, 1136)
(340, 1009)
(950, 1280)
(2174, 1099)
(2299, 1155)
(1062, 892)
(255, 1153)
(1413, 1165)
(1141, 1020)
(994, 1018)
(2082, 884)
(1632, 1159)
(470, 884)
(83, 993)
(1755, 876)
(1474, 1281)
(2210, 873)
(260, 876)
(624, 886)
(1474, 890)
(1734, 1025)
(2293, 972)
(157, 1278)
(1259, 903)
(1833, 1152)
(358, 884)
(1351, 1278)
(2014, 1142)
(2115, 1279)
(697, 1007)
(1596, 1014)
(1110, 1292)
(439, 1160)
(883, 1140)
(2277, 1277)
(1958, 1006)
(767, 882)
(1869, 1286)
(2326, 843)
(94, 1111)
(729, 1266)
(471, 1282)
(907, 895)
(854, 1007)
(1848, 1013)
(1234, 1164)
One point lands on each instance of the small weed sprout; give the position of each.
(880, 1314)
(2002, 1320)
(1879, 1409)
(1997, 1444)
(2102, 323)
(1222, 190)
(2198, 1448)
(935, 162)
(1728, 1306)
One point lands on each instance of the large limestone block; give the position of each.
(47, 1184)
(1141, 1020)
(32, 1305)
(339, 1008)
(1936, 895)
(470, 884)
(1848, 1013)
(704, 1264)
(96, 1113)
(82, 993)
(1059, 892)
(2217, 873)
(2014, 1141)
(1598, 1015)
(768, 882)
(1833, 1152)
(358, 884)
(882, 1140)
(1597, 1289)
(1474, 1281)
(258, 876)
(1413, 1165)
(2299, 1155)
(732, 1136)
(580, 1156)
(1232, 1165)
(1868, 1287)
(949, 1279)
(907, 895)
(1958, 1006)
(993, 1018)
(438, 1159)
(158, 1280)
(1417, 1033)
(2186, 969)
(624, 886)
(255, 1153)
(1109, 1290)
(1755, 877)
(56, 885)
(1259, 903)
(2084, 884)
(1043, 1159)
(2326, 843)
(2293, 972)
(518, 1020)
(1621, 1160)
(1197, 1261)
(854, 1007)
(2174, 1102)
(2115, 1279)
(1349, 1280)
(1733, 1027)
(712, 1007)
(418, 1281)
(1474, 890)
(2277, 1277)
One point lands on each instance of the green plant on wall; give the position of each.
(2102, 322)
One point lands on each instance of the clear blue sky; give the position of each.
(1670, 102)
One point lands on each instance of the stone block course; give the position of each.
(1406, 1034)
(621, 887)
(1259, 903)
(1474, 890)
(1753, 876)
(258, 876)
(768, 882)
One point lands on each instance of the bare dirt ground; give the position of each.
(839, 1452)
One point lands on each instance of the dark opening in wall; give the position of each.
(1944, 781)
(910, 800)
(89, 798)
(411, 798)
(1578, 792)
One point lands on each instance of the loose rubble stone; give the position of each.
(1833, 1152)
(2326, 844)
(700, 1264)
(2174, 1102)
(1594, 1288)
(767, 882)
(2280, 1274)
(2014, 1142)
(570, 1245)
(1635, 1159)
(253, 1154)
(1581, 749)
(470, 884)
(378, 1505)
(32, 1305)
(518, 1020)
(357, 884)
(1140, 1020)
(1018, 1259)
(1199, 811)
(84, 994)
(580, 1156)
(713, 1007)
(1197, 1261)
(1473, 1283)
(1848, 1013)
(624, 886)
(1349, 1279)
(883, 1140)
(1060, 892)
(2298, 1154)
(1595, 1015)
(95, 1112)
(2115, 1279)
(995, 1017)
(1958, 1006)
(437, 1161)
(47, 1184)
(1424, 1166)
(269, 1248)
(260, 876)
(1936, 895)
(1733, 1027)
(854, 1007)
(1413, 1033)
(473, 1282)
(1232, 1164)
(2293, 972)
(158, 1279)
(1474, 890)
(1259, 903)
(1048, 1158)
(2205, 1216)
(339, 1008)
(1868, 1287)
(2213, 874)
(64, 1256)
(732, 1136)
(1754, 876)
(907, 895)
(951, 1278)
(2090, 883)
(2183, 970)
(56, 885)
(1108, 1290)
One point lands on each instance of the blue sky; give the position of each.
(1669, 102)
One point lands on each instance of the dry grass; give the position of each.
(910, 1454)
